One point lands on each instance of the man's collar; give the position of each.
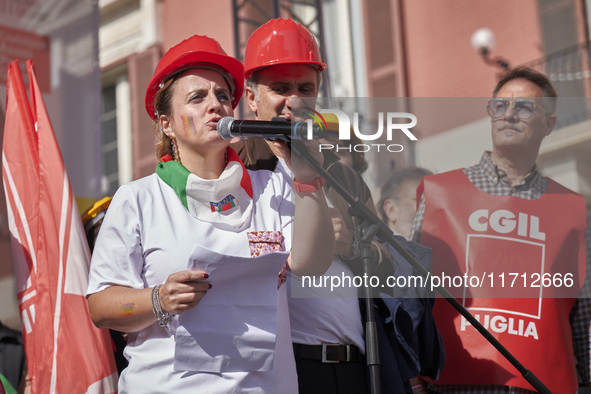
(496, 174)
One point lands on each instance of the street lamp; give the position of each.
(483, 41)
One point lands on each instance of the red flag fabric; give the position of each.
(66, 353)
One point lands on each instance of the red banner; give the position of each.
(66, 353)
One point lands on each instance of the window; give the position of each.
(109, 140)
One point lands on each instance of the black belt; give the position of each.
(328, 352)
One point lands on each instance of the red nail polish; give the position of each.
(210, 286)
(206, 276)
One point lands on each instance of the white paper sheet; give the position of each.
(234, 326)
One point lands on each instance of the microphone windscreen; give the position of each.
(223, 127)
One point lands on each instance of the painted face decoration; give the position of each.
(189, 125)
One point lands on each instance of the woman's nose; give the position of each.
(214, 105)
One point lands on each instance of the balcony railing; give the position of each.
(570, 73)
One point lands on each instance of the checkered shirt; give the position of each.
(487, 177)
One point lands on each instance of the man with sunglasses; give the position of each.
(502, 219)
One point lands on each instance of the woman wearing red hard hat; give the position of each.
(190, 260)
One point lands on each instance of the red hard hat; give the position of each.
(194, 51)
(281, 41)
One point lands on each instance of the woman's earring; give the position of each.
(175, 150)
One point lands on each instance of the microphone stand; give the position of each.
(364, 234)
(375, 226)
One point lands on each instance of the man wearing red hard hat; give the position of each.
(282, 67)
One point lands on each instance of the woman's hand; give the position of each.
(182, 291)
(125, 309)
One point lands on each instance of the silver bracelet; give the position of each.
(164, 318)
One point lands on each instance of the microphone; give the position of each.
(276, 129)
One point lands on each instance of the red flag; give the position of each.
(66, 353)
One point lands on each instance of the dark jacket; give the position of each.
(410, 343)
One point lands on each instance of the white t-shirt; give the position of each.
(147, 235)
(318, 314)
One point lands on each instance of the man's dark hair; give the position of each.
(535, 77)
(391, 187)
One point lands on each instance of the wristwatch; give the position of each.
(308, 187)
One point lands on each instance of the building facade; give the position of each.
(374, 48)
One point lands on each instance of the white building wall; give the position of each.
(127, 27)
(457, 148)
(339, 49)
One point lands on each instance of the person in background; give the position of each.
(469, 217)
(398, 199)
(191, 260)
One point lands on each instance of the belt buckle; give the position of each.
(324, 349)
